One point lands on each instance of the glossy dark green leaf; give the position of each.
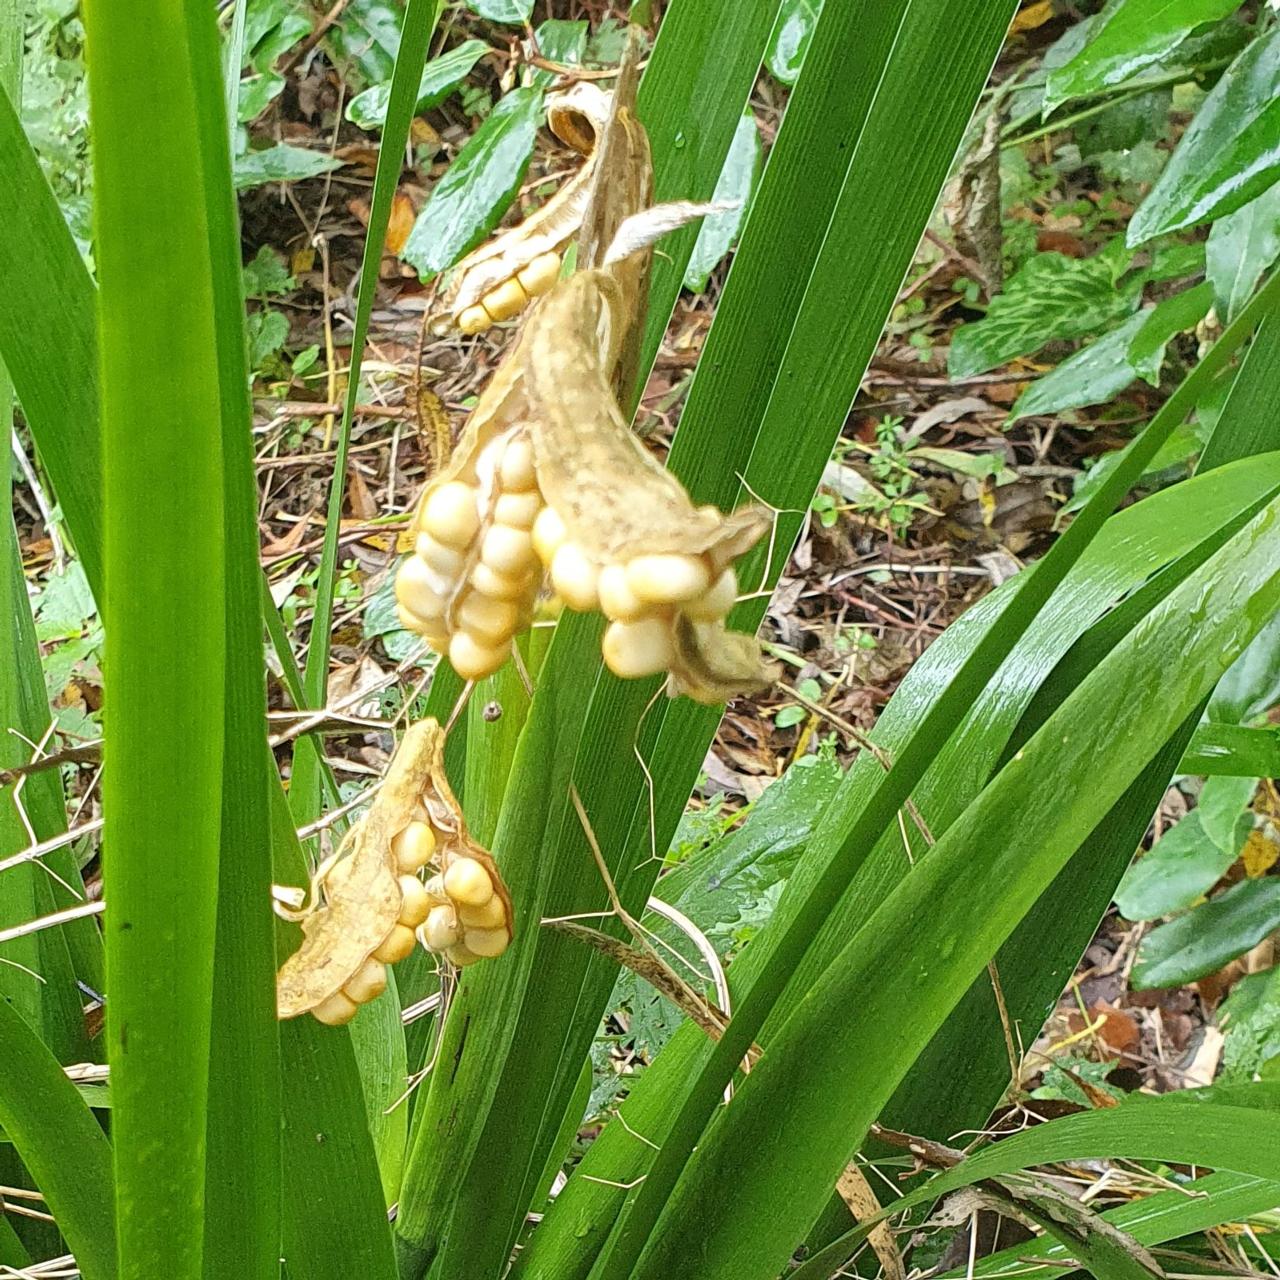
(282, 162)
(790, 39)
(1228, 156)
(367, 34)
(440, 77)
(61, 1143)
(737, 181)
(478, 188)
(1181, 866)
(1127, 38)
(1240, 249)
(1104, 367)
(562, 40)
(1209, 935)
(1052, 298)
(513, 12)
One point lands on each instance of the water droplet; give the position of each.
(680, 139)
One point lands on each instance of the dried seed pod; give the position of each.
(530, 252)
(367, 901)
(518, 510)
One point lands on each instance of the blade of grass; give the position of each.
(244, 1113)
(877, 811)
(62, 1144)
(1133, 547)
(165, 556)
(1219, 1128)
(39, 978)
(420, 20)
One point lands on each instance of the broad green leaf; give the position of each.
(1223, 800)
(1240, 249)
(440, 77)
(1250, 1016)
(257, 93)
(1181, 866)
(1165, 321)
(1228, 156)
(737, 181)
(1233, 749)
(561, 40)
(477, 189)
(790, 39)
(282, 162)
(1052, 298)
(513, 12)
(1127, 38)
(61, 1143)
(1209, 935)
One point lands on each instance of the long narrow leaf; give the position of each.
(62, 1144)
(165, 557)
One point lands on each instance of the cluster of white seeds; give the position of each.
(511, 296)
(640, 598)
(471, 584)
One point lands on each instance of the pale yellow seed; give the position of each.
(574, 577)
(415, 902)
(634, 649)
(548, 534)
(467, 882)
(436, 892)
(432, 630)
(617, 600)
(499, 586)
(369, 982)
(519, 510)
(336, 1010)
(474, 319)
(491, 621)
(413, 847)
(440, 929)
(515, 470)
(507, 300)
(540, 274)
(486, 942)
(420, 589)
(446, 560)
(488, 915)
(507, 550)
(668, 579)
(450, 514)
(472, 658)
(396, 945)
(714, 603)
(461, 957)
